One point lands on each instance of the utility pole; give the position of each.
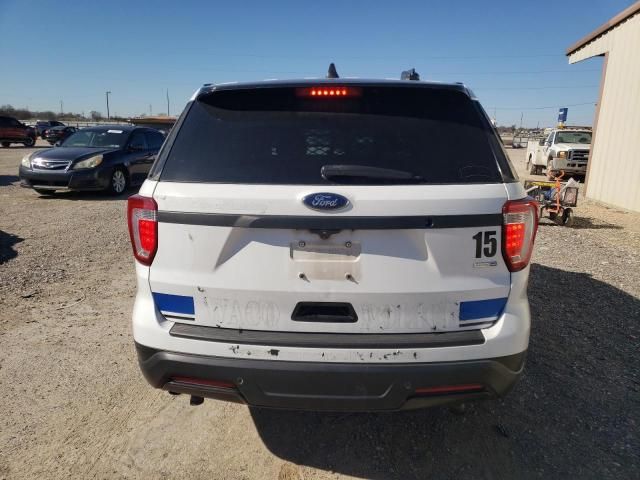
(168, 103)
(150, 111)
(107, 93)
(61, 107)
(521, 115)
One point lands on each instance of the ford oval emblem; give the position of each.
(325, 201)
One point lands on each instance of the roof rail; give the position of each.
(410, 75)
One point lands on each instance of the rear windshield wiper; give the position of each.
(366, 174)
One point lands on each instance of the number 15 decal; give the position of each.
(486, 244)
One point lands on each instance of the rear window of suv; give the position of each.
(286, 135)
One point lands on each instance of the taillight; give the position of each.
(520, 223)
(143, 227)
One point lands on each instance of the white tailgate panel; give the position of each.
(405, 280)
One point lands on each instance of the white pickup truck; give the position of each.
(563, 149)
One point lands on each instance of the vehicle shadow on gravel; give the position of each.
(583, 223)
(7, 241)
(6, 180)
(573, 414)
(87, 196)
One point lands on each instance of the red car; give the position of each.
(14, 131)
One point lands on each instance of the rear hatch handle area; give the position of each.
(324, 312)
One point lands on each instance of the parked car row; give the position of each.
(43, 125)
(14, 131)
(57, 134)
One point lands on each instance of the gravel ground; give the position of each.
(76, 406)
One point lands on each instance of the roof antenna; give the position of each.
(410, 75)
(332, 73)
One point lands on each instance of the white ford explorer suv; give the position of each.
(333, 244)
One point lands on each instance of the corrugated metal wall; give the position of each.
(614, 170)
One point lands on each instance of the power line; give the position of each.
(514, 72)
(541, 108)
(549, 87)
(494, 56)
(428, 74)
(384, 57)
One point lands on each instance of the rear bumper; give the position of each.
(329, 386)
(90, 179)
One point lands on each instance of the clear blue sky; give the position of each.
(510, 53)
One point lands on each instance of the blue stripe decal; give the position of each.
(174, 303)
(482, 309)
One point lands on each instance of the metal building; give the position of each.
(613, 171)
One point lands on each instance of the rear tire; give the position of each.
(119, 182)
(567, 217)
(533, 169)
(6, 144)
(29, 142)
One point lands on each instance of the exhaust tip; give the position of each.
(195, 400)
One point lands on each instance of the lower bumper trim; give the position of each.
(97, 179)
(330, 386)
